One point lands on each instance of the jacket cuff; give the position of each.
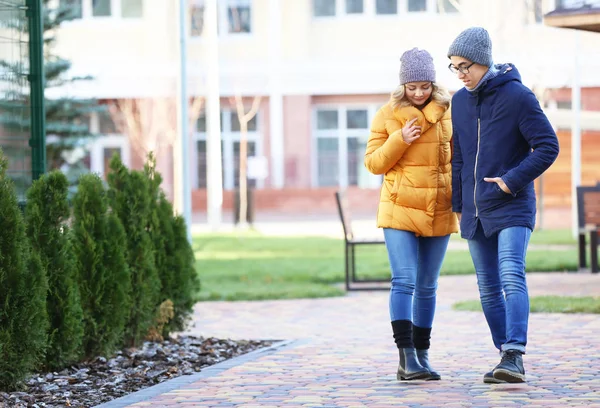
(511, 185)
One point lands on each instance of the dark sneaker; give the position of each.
(510, 368)
(488, 378)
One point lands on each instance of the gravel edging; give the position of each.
(181, 381)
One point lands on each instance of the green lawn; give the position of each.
(546, 304)
(249, 266)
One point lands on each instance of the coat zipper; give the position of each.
(475, 171)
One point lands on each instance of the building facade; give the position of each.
(322, 68)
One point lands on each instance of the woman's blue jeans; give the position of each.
(415, 263)
(500, 266)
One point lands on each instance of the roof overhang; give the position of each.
(586, 18)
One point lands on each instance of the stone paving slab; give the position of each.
(347, 358)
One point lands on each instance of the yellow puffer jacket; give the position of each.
(416, 193)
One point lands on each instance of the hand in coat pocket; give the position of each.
(500, 182)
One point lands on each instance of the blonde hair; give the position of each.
(439, 95)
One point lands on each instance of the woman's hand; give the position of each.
(411, 133)
(500, 182)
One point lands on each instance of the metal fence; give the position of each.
(22, 135)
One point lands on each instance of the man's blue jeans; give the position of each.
(500, 266)
(415, 263)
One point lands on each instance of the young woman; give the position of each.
(410, 144)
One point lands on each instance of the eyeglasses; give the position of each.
(461, 68)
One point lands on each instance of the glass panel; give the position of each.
(201, 156)
(236, 162)
(417, 5)
(201, 123)
(354, 6)
(446, 6)
(235, 123)
(132, 8)
(74, 5)
(197, 20)
(106, 124)
(357, 119)
(239, 19)
(327, 162)
(327, 119)
(358, 175)
(101, 8)
(107, 156)
(324, 8)
(386, 7)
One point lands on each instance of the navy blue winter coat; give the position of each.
(499, 131)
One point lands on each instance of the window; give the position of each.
(324, 8)
(239, 16)
(74, 5)
(114, 9)
(106, 125)
(101, 8)
(132, 8)
(197, 17)
(236, 15)
(354, 6)
(328, 162)
(564, 105)
(327, 119)
(341, 135)
(230, 149)
(447, 6)
(386, 7)
(417, 5)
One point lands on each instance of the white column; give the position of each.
(276, 96)
(575, 136)
(184, 146)
(214, 179)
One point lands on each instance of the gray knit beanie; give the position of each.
(473, 44)
(416, 66)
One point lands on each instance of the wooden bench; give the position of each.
(350, 243)
(588, 211)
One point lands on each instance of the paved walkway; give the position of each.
(340, 353)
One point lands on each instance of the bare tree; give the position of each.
(150, 123)
(244, 117)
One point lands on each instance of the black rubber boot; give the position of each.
(409, 367)
(421, 340)
(423, 357)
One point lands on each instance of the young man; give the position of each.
(502, 143)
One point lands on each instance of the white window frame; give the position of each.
(115, 15)
(370, 11)
(223, 17)
(98, 144)
(228, 138)
(342, 134)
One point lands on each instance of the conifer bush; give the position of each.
(23, 287)
(99, 244)
(129, 197)
(173, 256)
(46, 214)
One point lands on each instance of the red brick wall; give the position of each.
(305, 201)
